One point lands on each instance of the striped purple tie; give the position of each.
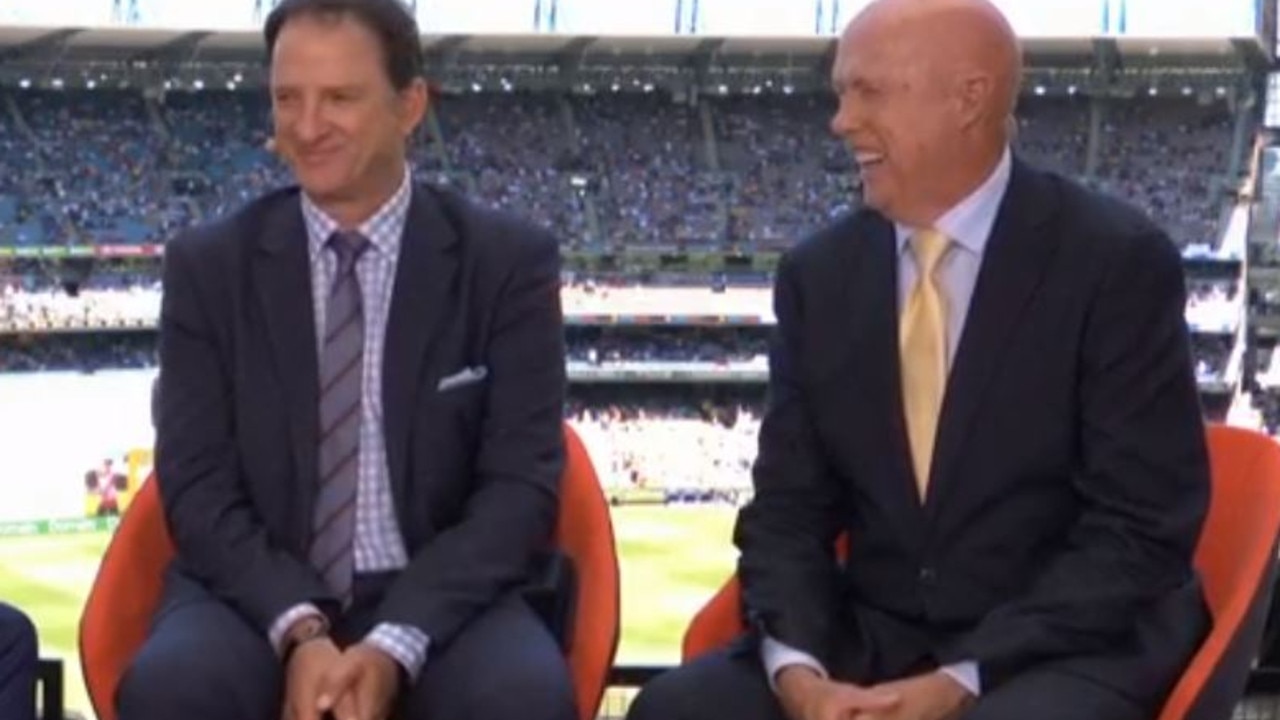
(341, 370)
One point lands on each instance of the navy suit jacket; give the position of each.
(1070, 475)
(474, 470)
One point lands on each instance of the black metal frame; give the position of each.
(627, 676)
(50, 681)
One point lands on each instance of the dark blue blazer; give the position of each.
(1070, 475)
(474, 470)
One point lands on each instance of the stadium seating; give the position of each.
(1235, 557)
(127, 588)
(610, 169)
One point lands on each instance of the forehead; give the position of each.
(328, 44)
(866, 57)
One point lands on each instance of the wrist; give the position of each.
(795, 682)
(306, 630)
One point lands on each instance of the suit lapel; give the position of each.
(424, 292)
(282, 280)
(873, 291)
(1016, 257)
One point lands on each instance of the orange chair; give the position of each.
(1235, 556)
(125, 593)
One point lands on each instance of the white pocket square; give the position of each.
(465, 376)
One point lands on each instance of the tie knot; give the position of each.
(928, 247)
(348, 246)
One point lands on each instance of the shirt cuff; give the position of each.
(965, 673)
(282, 624)
(778, 656)
(407, 645)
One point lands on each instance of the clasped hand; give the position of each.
(932, 696)
(358, 684)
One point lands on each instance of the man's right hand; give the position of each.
(306, 670)
(805, 695)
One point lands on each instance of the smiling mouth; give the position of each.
(867, 159)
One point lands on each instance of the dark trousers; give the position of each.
(733, 685)
(19, 662)
(203, 661)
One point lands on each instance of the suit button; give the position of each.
(928, 576)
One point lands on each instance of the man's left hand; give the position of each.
(933, 696)
(370, 676)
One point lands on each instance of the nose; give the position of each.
(308, 124)
(844, 121)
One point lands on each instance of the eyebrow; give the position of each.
(347, 88)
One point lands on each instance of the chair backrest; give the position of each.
(584, 532)
(127, 589)
(1235, 556)
(719, 621)
(1236, 559)
(123, 598)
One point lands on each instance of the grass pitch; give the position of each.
(672, 558)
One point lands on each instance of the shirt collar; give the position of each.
(969, 222)
(382, 229)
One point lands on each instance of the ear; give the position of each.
(974, 96)
(412, 104)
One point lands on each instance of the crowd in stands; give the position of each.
(80, 352)
(604, 345)
(603, 170)
(1214, 305)
(1212, 353)
(669, 444)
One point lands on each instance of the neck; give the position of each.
(968, 175)
(352, 211)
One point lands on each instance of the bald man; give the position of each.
(1023, 549)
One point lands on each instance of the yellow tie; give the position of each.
(923, 340)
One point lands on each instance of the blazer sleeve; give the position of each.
(786, 534)
(511, 512)
(1144, 476)
(220, 539)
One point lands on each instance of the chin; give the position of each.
(321, 187)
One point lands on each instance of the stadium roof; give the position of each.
(123, 44)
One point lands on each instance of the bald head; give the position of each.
(950, 41)
(926, 91)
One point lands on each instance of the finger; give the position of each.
(302, 711)
(869, 700)
(336, 683)
(367, 703)
(348, 706)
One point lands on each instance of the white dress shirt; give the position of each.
(968, 224)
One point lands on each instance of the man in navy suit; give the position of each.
(359, 438)
(19, 661)
(984, 380)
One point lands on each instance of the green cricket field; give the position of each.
(672, 560)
